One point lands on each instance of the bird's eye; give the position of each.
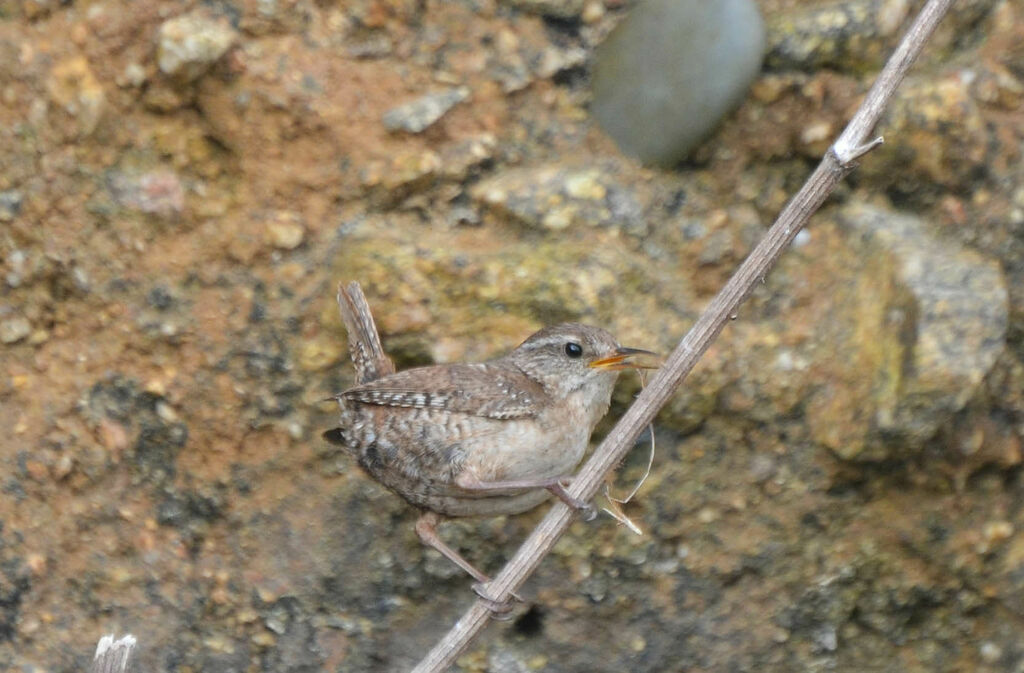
(573, 350)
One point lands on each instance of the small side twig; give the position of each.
(837, 163)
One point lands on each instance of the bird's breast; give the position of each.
(550, 444)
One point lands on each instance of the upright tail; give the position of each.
(112, 655)
(363, 341)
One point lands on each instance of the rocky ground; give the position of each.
(182, 184)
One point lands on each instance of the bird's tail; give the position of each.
(112, 655)
(364, 341)
(364, 345)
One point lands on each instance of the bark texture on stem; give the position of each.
(837, 163)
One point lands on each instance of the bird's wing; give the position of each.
(488, 390)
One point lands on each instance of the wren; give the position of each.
(483, 439)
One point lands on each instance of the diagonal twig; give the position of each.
(837, 163)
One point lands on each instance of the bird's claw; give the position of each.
(500, 610)
(585, 509)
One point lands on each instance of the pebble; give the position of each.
(133, 75)
(285, 231)
(707, 515)
(160, 298)
(10, 204)
(14, 330)
(402, 174)
(16, 261)
(668, 74)
(458, 159)
(990, 652)
(762, 467)
(592, 12)
(188, 45)
(825, 638)
(80, 277)
(157, 192)
(62, 468)
(420, 114)
(264, 639)
(553, 60)
(997, 531)
(802, 238)
(73, 86)
(36, 564)
(113, 436)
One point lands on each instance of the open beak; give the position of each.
(628, 358)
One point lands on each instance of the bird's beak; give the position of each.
(627, 358)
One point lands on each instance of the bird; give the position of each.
(476, 439)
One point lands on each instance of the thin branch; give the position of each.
(836, 164)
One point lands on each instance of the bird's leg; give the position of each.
(554, 484)
(426, 529)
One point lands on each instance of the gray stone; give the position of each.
(421, 113)
(672, 70)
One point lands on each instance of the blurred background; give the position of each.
(838, 486)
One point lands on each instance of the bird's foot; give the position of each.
(585, 509)
(501, 610)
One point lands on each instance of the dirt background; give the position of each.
(837, 487)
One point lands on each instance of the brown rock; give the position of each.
(912, 336)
